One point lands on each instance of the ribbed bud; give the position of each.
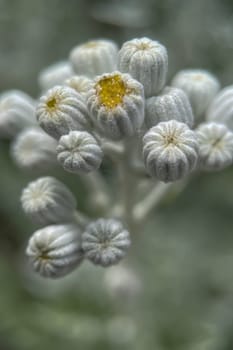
(17, 111)
(54, 75)
(170, 150)
(79, 152)
(147, 61)
(94, 57)
(200, 87)
(221, 108)
(116, 105)
(171, 104)
(61, 110)
(105, 242)
(215, 146)
(47, 201)
(34, 150)
(54, 251)
(79, 83)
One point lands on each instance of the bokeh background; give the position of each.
(178, 293)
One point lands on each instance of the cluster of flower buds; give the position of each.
(104, 101)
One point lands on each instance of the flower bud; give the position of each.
(54, 75)
(47, 201)
(34, 150)
(79, 152)
(105, 242)
(17, 111)
(116, 105)
(146, 61)
(171, 104)
(220, 109)
(170, 150)
(79, 83)
(54, 251)
(94, 57)
(200, 87)
(61, 110)
(215, 146)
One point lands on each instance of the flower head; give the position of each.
(47, 201)
(116, 105)
(215, 145)
(55, 250)
(61, 110)
(79, 152)
(145, 60)
(170, 150)
(94, 57)
(54, 75)
(105, 242)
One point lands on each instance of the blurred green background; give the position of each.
(183, 259)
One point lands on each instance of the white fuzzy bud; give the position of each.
(17, 111)
(79, 83)
(34, 150)
(116, 105)
(79, 152)
(54, 75)
(200, 87)
(54, 251)
(215, 146)
(105, 242)
(170, 150)
(47, 201)
(61, 110)
(221, 108)
(172, 103)
(94, 57)
(147, 61)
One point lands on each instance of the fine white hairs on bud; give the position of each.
(116, 105)
(54, 251)
(79, 152)
(79, 83)
(54, 75)
(34, 150)
(172, 103)
(94, 57)
(105, 242)
(147, 61)
(170, 150)
(17, 111)
(61, 110)
(47, 201)
(221, 108)
(200, 87)
(215, 146)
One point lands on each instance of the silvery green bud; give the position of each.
(34, 150)
(54, 251)
(79, 152)
(220, 109)
(170, 150)
(47, 201)
(17, 111)
(172, 103)
(145, 60)
(61, 110)
(105, 242)
(54, 75)
(200, 87)
(215, 146)
(79, 83)
(94, 57)
(116, 105)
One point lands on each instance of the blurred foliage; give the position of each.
(184, 256)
